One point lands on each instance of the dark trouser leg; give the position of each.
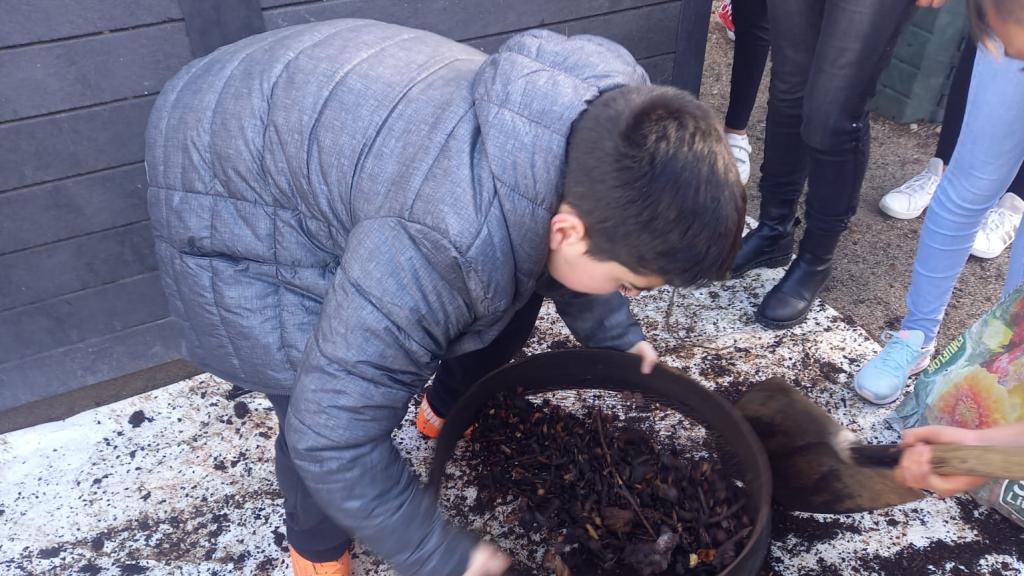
(1017, 186)
(854, 44)
(749, 57)
(313, 535)
(795, 25)
(455, 375)
(956, 103)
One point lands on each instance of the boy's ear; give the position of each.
(566, 229)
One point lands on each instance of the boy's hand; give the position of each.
(487, 560)
(931, 3)
(648, 355)
(915, 469)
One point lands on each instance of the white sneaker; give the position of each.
(999, 228)
(739, 144)
(910, 199)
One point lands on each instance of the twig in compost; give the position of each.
(622, 485)
(732, 510)
(669, 310)
(712, 348)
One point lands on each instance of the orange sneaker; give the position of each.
(302, 567)
(427, 422)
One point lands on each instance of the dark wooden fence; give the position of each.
(80, 299)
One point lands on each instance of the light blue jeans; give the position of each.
(987, 156)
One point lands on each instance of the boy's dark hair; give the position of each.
(651, 176)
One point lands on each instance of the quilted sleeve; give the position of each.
(596, 320)
(399, 298)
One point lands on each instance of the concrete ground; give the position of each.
(875, 260)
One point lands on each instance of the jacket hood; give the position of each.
(527, 96)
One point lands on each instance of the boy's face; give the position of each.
(569, 263)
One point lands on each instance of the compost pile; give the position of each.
(604, 495)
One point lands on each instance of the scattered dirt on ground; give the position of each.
(137, 418)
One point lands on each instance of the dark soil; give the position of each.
(956, 558)
(137, 418)
(603, 495)
(998, 536)
(132, 569)
(47, 553)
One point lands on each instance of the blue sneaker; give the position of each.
(882, 379)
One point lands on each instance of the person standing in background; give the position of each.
(827, 56)
(910, 199)
(747, 24)
(988, 157)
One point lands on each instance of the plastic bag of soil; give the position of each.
(977, 382)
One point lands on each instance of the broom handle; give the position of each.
(990, 461)
(953, 459)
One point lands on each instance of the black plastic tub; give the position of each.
(735, 443)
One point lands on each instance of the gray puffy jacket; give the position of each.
(337, 206)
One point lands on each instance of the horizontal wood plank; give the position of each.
(85, 315)
(64, 209)
(71, 143)
(28, 21)
(211, 25)
(279, 3)
(66, 369)
(645, 32)
(39, 274)
(458, 19)
(48, 78)
(89, 396)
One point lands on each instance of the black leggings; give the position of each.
(454, 376)
(956, 104)
(751, 52)
(826, 58)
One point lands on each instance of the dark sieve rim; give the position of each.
(618, 371)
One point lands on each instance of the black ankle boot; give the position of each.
(788, 303)
(770, 245)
